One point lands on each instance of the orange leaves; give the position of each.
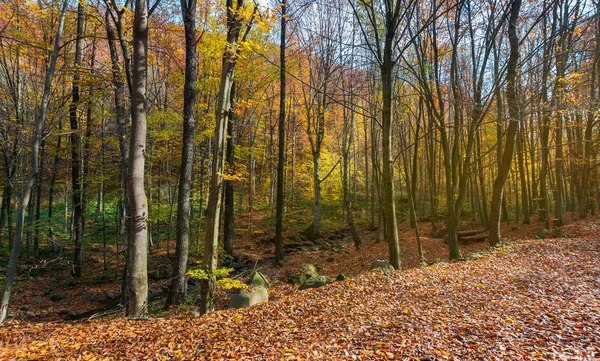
(539, 302)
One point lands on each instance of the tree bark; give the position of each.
(213, 211)
(228, 222)
(137, 271)
(33, 168)
(77, 198)
(389, 208)
(513, 126)
(178, 288)
(281, 140)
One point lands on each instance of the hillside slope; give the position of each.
(529, 300)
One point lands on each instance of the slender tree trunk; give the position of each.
(5, 214)
(33, 169)
(213, 211)
(281, 140)
(228, 224)
(523, 178)
(513, 126)
(178, 288)
(38, 196)
(389, 208)
(76, 151)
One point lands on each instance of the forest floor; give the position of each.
(529, 299)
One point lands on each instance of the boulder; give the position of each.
(258, 279)
(249, 297)
(293, 278)
(315, 282)
(341, 277)
(382, 266)
(542, 233)
(57, 297)
(308, 271)
(325, 247)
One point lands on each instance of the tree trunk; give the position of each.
(213, 211)
(513, 126)
(228, 224)
(137, 270)
(281, 140)
(75, 151)
(178, 289)
(390, 233)
(33, 168)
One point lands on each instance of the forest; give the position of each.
(300, 179)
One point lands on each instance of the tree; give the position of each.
(386, 27)
(36, 139)
(178, 288)
(137, 265)
(235, 22)
(76, 163)
(513, 126)
(281, 141)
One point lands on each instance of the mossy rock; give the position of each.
(258, 279)
(558, 233)
(383, 266)
(249, 297)
(57, 297)
(341, 277)
(293, 278)
(308, 271)
(542, 233)
(315, 282)
(325, 247)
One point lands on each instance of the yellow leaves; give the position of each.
(228, 283)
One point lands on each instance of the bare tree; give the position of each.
(513, 126)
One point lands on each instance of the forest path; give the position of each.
(537, 299)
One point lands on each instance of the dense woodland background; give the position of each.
(126, 126)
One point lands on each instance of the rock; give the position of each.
(542, 233)
(88, 298)
(293, 246)
(434, 262)
(154, 275)
(325, 247)
(558, 233)
(249, 297)
(258, 279)
(194, 313)
(308, 271)
(110, 295)
(382, 266)
(57, 297)
(293, 278)
(341, 277)
(315, 282)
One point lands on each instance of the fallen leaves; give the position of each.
(538, 301)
